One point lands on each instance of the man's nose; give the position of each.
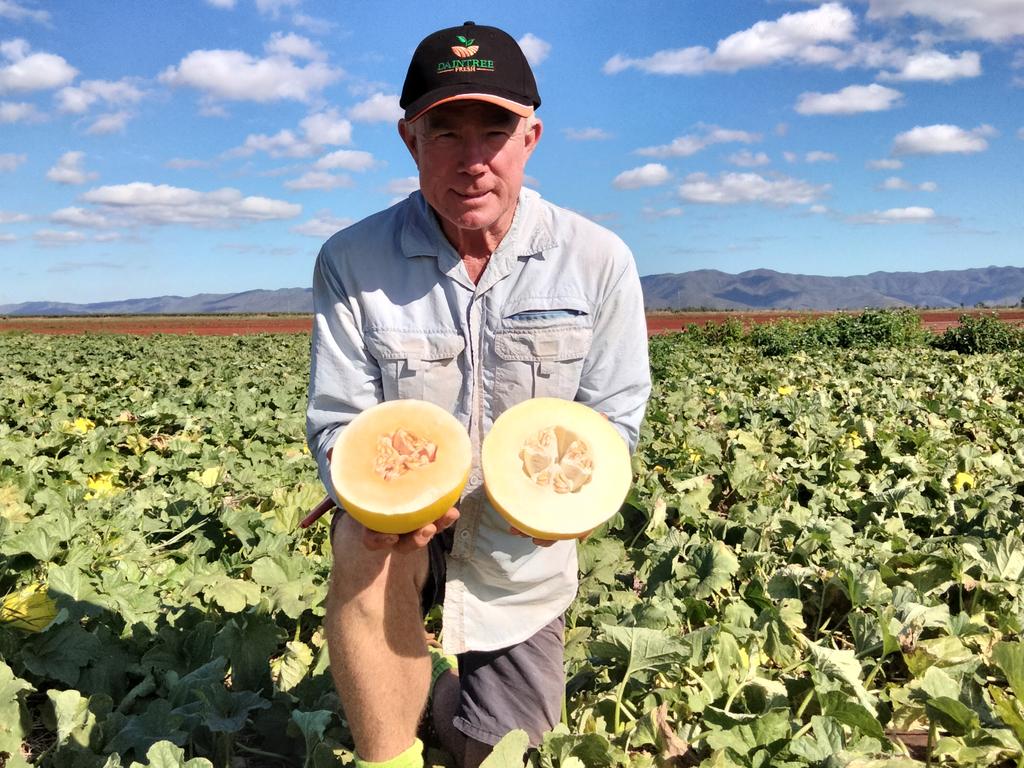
(475, 152)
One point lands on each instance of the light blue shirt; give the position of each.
(558, 312)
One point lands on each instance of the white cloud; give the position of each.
(662, 213)
(317, 131)
(238, 76)
(984, 19)
(54, 238)
(79, 217)
(378, 108)
(790, 157)
(732, 188)
(404, 187)
(911, 215)
(68, 170)
(184, 163)
(817, 156)
(149, 203)
(19, 112)
(534, 49)
(587, 134)
(113, 122)
(851, 100)
(320, 180)
(895, 182)
(936, 66)
(274, 7)
(9, 161)
(650, 175)
(322, 225)
(805, 37)
(818, 209)
(941, 139)
(10, 217)
(312, 24)
(226, 5)
(6, 239)
(78, 99)
(747, 159)
(1020, 134)
(346, 160)
(295, 46)
(690, 144)
(32, 71)
(9, 9)
(885, 164)
(328, 127)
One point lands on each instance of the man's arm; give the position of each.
(344, 378)
(616, 378)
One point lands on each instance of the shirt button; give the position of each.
(474, 478)
(464, 535)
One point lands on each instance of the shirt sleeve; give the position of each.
(616, 377)
(344, 378)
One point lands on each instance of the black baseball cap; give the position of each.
(469, 62)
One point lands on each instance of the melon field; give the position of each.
(821, 562)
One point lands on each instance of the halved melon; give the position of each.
(555, 469)
(400, 465)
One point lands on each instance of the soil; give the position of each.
(936, 320)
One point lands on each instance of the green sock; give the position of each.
(411, 758)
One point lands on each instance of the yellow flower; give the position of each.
(30, 608)
(101, 485)
(787, 390)
(694, 457)
(79, 426)
(710, 390)
(963, 480)
(853, 440)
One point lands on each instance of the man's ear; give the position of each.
(405, 130)
(533, 132)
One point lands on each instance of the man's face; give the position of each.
(471, 157)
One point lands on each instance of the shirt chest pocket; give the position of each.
(421, 366)
(539, 362)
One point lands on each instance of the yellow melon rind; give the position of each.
(418, 497)
(539, 511)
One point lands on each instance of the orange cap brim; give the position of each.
(523, 110)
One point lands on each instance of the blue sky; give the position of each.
(151, 148)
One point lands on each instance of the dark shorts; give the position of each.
(516, 687)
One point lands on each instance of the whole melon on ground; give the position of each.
(400, 465)
(555, 469)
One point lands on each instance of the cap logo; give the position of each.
(466, 60)
(467, 48)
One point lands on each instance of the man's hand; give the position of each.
(409, 542)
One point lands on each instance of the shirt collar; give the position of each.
(529, 235)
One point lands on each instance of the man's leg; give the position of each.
(375, 637)
(469, 753)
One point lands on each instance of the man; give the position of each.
(475, 294)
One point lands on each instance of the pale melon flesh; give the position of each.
(555, 469)
(400, 465)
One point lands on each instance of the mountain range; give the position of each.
(701, 289)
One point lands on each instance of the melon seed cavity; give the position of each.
(558, 459)
(401, 451)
